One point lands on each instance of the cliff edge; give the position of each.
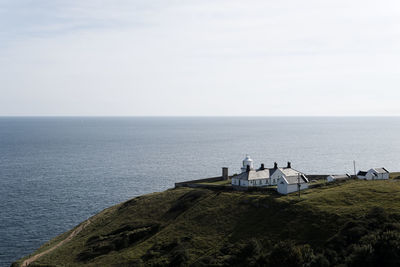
(350, 223)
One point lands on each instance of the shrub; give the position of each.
(179, 258)
(319, 261)
(285, 254)
(378, 249)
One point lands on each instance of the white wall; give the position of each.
(368, 176)
(239, 182)
(276, 176)
(330, 178)
(251, 183)
(256, 183)
(293, 187)
(284, 188)
(379, 176)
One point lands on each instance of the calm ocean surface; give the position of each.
(57, 172)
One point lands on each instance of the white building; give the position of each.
(251, 177)
(332, 178)
(290, 184)
(374, 174)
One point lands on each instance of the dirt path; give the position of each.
(74, 233)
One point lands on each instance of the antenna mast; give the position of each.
(298, 183)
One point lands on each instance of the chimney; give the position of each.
(289, 165)
(225, 175)
(275, 165)
(262, 166)
(247, 168)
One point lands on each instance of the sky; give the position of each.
(199, 58)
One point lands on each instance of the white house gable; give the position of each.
(374, 174)
(290, 184)
(275, 176)
(380, 173)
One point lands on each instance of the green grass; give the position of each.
(320, 181)
(46, 246)
(394, 175)
(193, 224)
(222, 182)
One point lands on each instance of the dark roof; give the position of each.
(362, 173)
(295, 179)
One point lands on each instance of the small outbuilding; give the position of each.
(374, 174)
(334, 177)
(290, 184)
(380, 173)
(364, 175)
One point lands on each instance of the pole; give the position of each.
(354, 164)
(298, 183)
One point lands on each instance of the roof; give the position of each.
(266, 174)
(295, 179)
(362, 173)
(381, 170)
(338, 177)
(254, 175)
(290, 172)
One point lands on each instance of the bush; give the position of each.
(319, 261)
(286, 254)
(179, 258)
(378, 249)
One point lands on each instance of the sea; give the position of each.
(56, 172)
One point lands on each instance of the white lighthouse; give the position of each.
(247, 162)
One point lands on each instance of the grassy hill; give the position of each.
(355, 223)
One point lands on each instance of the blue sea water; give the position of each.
(57, 171)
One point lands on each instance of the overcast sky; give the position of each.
(202, 58)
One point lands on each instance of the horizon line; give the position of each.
(196, 116)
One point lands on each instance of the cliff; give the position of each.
(351, 223)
